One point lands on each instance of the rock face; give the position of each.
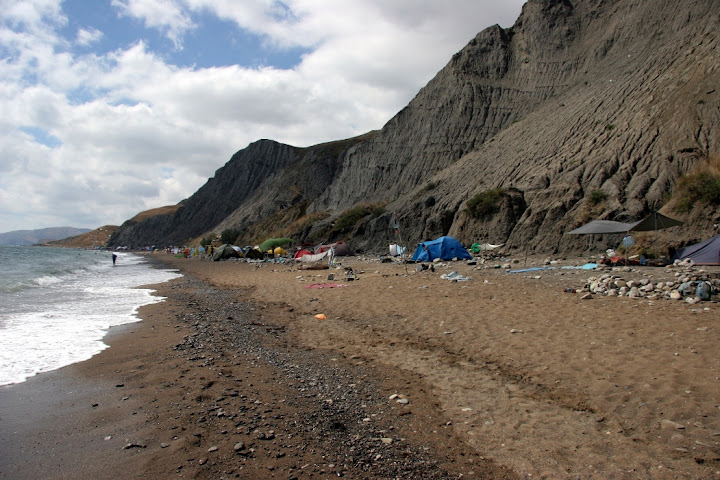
(618, 97)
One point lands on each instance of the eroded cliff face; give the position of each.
(616, 96)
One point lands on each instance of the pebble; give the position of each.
(134, 445)
(670, 424)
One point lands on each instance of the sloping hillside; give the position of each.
(94, 239)
(583, 109)
(42, 235)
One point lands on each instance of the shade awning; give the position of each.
(601, 226)
(654, 221)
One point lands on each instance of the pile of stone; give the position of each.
(682, 281)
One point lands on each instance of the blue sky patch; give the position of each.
(41, 136)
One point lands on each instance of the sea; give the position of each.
(57, 304)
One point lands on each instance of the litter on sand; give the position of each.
(455, 277)
(325, 285)
(534, 269)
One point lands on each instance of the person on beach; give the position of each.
(114, 258)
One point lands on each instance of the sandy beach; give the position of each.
(408, 375)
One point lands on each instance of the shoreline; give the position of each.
(504, 377)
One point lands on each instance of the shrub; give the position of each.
(229, 235)
(349, 218)
(485, 203)
(698, 188)
(208, 239)
(596, 197)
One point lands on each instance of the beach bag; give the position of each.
(704, 290)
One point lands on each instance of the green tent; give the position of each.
(271, 243)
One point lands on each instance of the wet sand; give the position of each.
(502, 376)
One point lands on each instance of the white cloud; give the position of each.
(165, 15)
(88, 36)
(136, 132)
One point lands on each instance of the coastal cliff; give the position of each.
(583, 109)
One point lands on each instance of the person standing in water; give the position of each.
(114, 258)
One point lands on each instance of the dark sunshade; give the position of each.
(654, 221)
(601, 226)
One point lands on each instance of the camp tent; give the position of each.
(302, 252)
(271, 243)
(444, 248)
(341, 249)
(706, 253)
(225, 251)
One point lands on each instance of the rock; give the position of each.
(587, 296)
(134, 445)
(668, 424)
(239, 446)
(677, 437)
(675, 295)
(213, 449)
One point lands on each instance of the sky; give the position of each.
(113, 107)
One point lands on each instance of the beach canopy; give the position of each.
(654, 221)
(271, 243)
(706, 253)
(444, 248)
(600, 227)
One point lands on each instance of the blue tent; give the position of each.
(705, 253)
(444, 248)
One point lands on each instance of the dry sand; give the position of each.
(505, 376)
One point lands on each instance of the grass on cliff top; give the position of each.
(166, 210)
(700, 188)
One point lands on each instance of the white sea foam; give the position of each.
(65, 318)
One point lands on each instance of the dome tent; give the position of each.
(444, 248)
(224, 252)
